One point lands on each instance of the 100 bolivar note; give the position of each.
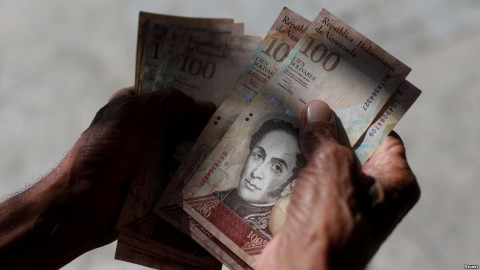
(159, 35)
(254, 166)
(281, 38)
(287, 29)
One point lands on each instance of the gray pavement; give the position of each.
(60, 61)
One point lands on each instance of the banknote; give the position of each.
(142, 34)
(158, 34)
(387, 119)
(287, 29)
(205, 66)
(130, 253)
(256, 162)
(215, 247)
(290, 25)
(225, 56)
(396, 107)
(337, 64)
(184, 252)
(147, 188)
(169, 243)
(183, 41)
(262, 69)
(149, 231)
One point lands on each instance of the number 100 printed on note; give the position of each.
(235, 193)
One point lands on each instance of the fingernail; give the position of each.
(318, 110)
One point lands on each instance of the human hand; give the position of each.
(75, 208)
(109, 152)
(340, 213)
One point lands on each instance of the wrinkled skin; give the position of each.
(75, 207)
(340, 213)
(108, 153)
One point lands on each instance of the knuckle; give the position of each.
(328, 152)
(412, 191)
(402, 195)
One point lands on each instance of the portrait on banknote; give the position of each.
(268, 174)
(253, 168)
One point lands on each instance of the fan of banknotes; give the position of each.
(207, 210)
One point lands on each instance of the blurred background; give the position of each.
(61, 60)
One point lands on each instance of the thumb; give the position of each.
(317, 125)
(319, 213)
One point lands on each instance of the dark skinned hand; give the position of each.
(75, 208)
(340, 213)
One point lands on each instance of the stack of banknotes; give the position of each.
(225, 195)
